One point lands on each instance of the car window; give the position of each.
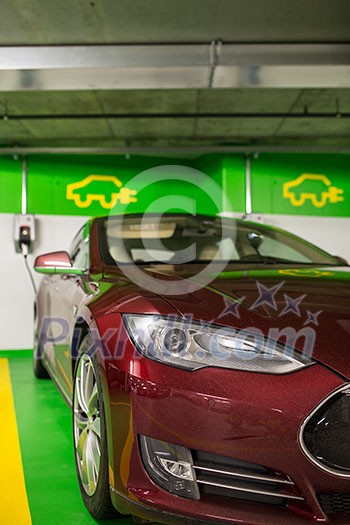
(79, 250)
(200, 239)
(260, 241)
(272, 247)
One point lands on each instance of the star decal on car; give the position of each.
(231, 307)
(292, 305)
(267, 295)
(312, 317)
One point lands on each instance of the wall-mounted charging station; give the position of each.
(24, 233)
(24, 226)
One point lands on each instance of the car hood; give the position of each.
(310, 304)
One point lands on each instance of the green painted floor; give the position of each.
(44, 427)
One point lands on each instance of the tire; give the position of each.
(89, 434)
(38, 367)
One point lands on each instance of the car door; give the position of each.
(68, 292)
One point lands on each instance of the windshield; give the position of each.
(187, 239)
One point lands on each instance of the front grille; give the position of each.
(326, 433)
(222, 476)
(332, 503)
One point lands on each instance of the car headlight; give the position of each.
(191, 345)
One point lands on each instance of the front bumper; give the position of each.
(248, 417)
(152, 514)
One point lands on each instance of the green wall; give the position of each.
(300, 184)
(10, 185)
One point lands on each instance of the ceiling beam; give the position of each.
(170, 150)
(171, 55)
(148, 66)
(197, 115)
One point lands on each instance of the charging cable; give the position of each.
(24, 248)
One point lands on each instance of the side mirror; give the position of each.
(56, 262)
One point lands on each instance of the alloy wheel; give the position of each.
(87, 424)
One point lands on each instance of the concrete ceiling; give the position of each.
(141, 114)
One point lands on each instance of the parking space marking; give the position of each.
(14, 508)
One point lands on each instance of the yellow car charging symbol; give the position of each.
(304, 188)
(88, 190)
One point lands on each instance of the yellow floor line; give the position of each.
(14, 509)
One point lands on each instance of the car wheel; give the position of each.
(89, 429)
(38, 368)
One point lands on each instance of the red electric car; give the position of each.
(206, 361)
